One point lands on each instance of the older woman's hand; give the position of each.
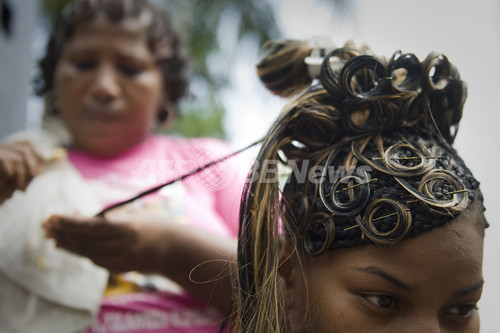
(129, 238)
(19, 164)
(124, 239)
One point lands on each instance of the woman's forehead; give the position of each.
(443, 251)
(97, 37)
(128, 27)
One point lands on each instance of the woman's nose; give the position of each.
(106, 87)
(423, 324)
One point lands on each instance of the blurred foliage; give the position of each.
(201, 22)
(52, 8)
(199, 121)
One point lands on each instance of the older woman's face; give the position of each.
(108, 86)
(430, 283)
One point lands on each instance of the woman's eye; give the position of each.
(382, 301)
(84, 65)
(463, 310)
(130, 70)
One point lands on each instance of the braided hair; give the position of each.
(367, 150)
(163, 41)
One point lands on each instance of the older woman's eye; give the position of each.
(130, 70)
(382, 301)
(463, 310)
(84, 65)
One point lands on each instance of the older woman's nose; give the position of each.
(106, 86)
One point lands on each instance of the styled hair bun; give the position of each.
(282, 69)
(400, 92)
(370, 93)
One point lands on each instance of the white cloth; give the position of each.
(42, 288)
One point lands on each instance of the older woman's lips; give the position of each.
(104, 116)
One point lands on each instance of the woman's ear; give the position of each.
(292, 283)
(167, 114)
(287, 260)
(290, 272)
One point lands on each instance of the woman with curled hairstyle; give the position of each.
(375, 224)
(113, 72)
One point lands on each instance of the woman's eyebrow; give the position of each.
(127, 56)
(79, 50)
(470, 289)
(374, 270)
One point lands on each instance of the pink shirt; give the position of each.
(209, 200)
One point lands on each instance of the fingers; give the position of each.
(83, 227)
(19, 164)
(20, 160)
(124, 239)
(7, 189)
(88, 236)
(33, 161)
(106, 243)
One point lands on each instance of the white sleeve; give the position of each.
(50, 282)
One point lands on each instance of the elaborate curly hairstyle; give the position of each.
(163, 41)
(365, 149)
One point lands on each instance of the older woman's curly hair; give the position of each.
(367, 150)
(163, 41)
